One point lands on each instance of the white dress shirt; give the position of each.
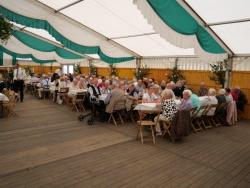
(19, 74)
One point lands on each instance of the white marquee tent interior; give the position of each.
(121, 30)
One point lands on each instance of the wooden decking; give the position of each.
(46, 146)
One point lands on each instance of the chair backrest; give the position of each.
(80, 96)
(64, 90)
(119, 104)
(209, 108)
(193, 111)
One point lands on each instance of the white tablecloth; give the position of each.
(147, 107)
(76, 91)
(153, 106)
(3, 98)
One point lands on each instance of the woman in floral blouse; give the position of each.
(168, 107)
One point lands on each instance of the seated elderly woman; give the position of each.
(210, 100)
(229, 97)
(168, 107)
(186, 102)
(221, 96)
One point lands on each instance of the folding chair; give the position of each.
(166, 128)
(79, 101)
(46, 91)
(10, 105)
(145, 123)
(205, 118)
(117, 108)
(63, 93)
(210, 118)
(194, 113)
(219, 114)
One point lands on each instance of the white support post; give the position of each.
(228, 75)
(138, 65)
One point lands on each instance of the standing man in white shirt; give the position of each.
(19, 76)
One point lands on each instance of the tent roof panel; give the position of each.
(113, 18)
(236, 36)
(57, 4)
(153, 45)
(223, 10)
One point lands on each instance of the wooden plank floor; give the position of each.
(46, 146)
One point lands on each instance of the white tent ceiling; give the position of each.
(120, 18)
(220, 14)
(122, 22)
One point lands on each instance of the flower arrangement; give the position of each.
(174, 74)
(142, 72)
(92, 69)
(113, 71)
(219, 71)
(28, 70)
(77, 68)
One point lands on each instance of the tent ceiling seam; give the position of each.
(67, 6)
(229, 22)
(131, 36)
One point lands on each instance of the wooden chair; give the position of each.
(166, 128)
(141, 124)
(210, 118)
(45, 92)
(199, 117)
(63, 93)
(79, 101)
(194, 113)
(117, 108)
(205, 118)
(10, 105)
(218, 115)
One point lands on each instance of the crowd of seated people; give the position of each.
(107, 91)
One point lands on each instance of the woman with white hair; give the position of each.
(221, 96)
(186, 102)
(168, 107)
(210, 100)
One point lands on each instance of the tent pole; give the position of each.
(138, 65)
(228, 75)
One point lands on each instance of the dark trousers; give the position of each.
(19, 87)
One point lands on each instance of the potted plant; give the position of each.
(175, 74)
(92, 69)
(77, 68)
(113, 71)
(219, 71)
(142, 72)
(5, 30)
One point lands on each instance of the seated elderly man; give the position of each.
(186, 102)
(117, 99)
(150, 96)
(140, 87)
(93, 89)
(168, 107)
(43, 84)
